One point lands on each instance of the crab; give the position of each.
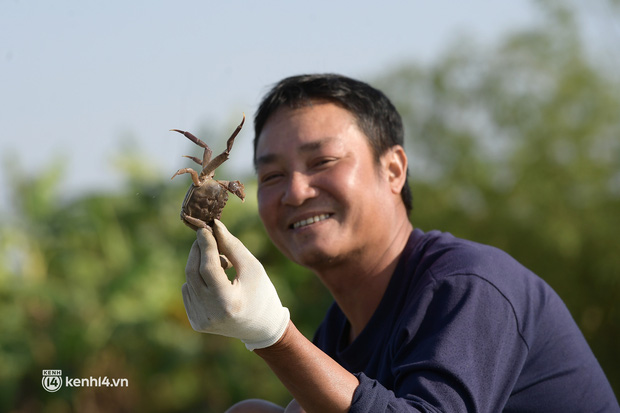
(206, 197)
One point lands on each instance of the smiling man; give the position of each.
(420, 321)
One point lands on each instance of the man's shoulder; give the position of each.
(445, 254)
(440, 258)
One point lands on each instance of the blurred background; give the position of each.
(512, 116)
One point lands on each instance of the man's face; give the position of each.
(320, 191)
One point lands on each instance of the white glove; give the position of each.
(247, 308)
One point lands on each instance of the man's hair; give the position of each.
(375, 115)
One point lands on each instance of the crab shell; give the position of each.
(206, 202)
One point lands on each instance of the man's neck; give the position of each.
(359, 284)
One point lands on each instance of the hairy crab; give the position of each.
(206, 197)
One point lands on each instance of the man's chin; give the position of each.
(313, 258)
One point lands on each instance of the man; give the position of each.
(421, 321)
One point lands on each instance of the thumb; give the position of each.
(231, 247)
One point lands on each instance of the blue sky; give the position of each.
(81, 80)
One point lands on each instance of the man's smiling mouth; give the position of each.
(311, 220)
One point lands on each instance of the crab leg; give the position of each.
(206, 156)
(193, 221)
(191, 138)
(190, 171)
(210, 167)
(193, 158)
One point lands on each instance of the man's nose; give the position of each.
(299, 189)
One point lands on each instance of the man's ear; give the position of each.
(394, 163)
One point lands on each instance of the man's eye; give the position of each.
(269, 177)
(323, 162)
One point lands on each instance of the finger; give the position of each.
(226, 264)
(231, 247)
(189, 307)
(192, 268)
(210, 266)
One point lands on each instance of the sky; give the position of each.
(82, 81)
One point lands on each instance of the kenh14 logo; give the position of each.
(52, 380)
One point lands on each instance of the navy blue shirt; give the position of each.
(463, 327)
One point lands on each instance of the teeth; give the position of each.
(310, 220)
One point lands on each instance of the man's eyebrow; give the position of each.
(265, 159)
(305, 148)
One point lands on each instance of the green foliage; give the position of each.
(93, 287)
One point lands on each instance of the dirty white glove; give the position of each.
(248, 308)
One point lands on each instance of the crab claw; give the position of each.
(237, 188)
(234, 187)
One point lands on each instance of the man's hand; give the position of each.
(248, 308)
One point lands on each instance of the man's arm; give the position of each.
(317, 382)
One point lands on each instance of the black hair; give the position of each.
(374, 113)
